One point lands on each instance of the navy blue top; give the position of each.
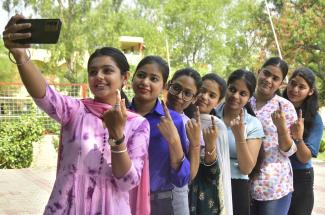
(162, 176)
(312, 142)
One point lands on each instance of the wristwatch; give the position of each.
(114, 142)
(298, 141)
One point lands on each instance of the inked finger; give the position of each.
(123, 107)
(197, 115)
(213, 122)
(300, 114)
(280, 106)
(166, 111)
(241, 115)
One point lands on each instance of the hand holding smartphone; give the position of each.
(43, 31)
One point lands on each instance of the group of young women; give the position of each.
(209, 147)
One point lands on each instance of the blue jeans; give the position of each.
(173, 202)
(272, 207)
(180, 200)
(302, 201)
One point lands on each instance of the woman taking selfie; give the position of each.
(103, 148)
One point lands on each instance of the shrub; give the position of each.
(16, 141)
(322, 144)
(56, 142)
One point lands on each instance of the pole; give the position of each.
(167, 47)
(275, 37)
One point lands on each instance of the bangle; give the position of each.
(19, 64)
(213, 150)
(211, 164)
(182, 159)
(119, 152)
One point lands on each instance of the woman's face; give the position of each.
(237, 95)
(181, 93)
(269, 80)
(148, 83)
(298, 90)
(209, 96)
(104, 77)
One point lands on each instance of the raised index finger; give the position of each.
(166, 111)
(242, 115)
(213, 122)
(197, 115)
(280, 106)
(300, 114)
(118, 97)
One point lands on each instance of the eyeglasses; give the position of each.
(175, 89)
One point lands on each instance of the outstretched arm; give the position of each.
(29, 73)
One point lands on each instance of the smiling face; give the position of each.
(209, 96)
(237, 95)
(298, 90)
(148, 83)
(104, 77)
(181, 93)
(269, 81)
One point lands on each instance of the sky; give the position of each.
(3, 19)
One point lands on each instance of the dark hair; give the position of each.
(152, 59)
(310, 105)
(250, 81)
(191, 73)
(220, 81)
(278, 62)
(118, 57)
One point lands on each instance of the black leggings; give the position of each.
(240, 196)
(302, 201)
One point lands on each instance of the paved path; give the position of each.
(26, 191)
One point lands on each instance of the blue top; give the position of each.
(253, 130)
(312, 142)
(162, 176)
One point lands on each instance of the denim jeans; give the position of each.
(174, 202)
(180, 201)
(302, 201)
(272, 207)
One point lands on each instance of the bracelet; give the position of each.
(179, 162)
(119, 152)
(213, 151)
(211, 164)
(19, 64)
(298, 141)
(182, 159)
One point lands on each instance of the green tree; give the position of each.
(194, 29)
(84, 28)
(300, 27)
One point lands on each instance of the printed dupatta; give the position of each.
(224, 164)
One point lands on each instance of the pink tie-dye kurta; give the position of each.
(85, 183)
(275, 179)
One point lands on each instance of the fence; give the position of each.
(15, 101)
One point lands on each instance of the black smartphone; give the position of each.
(44, 31)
